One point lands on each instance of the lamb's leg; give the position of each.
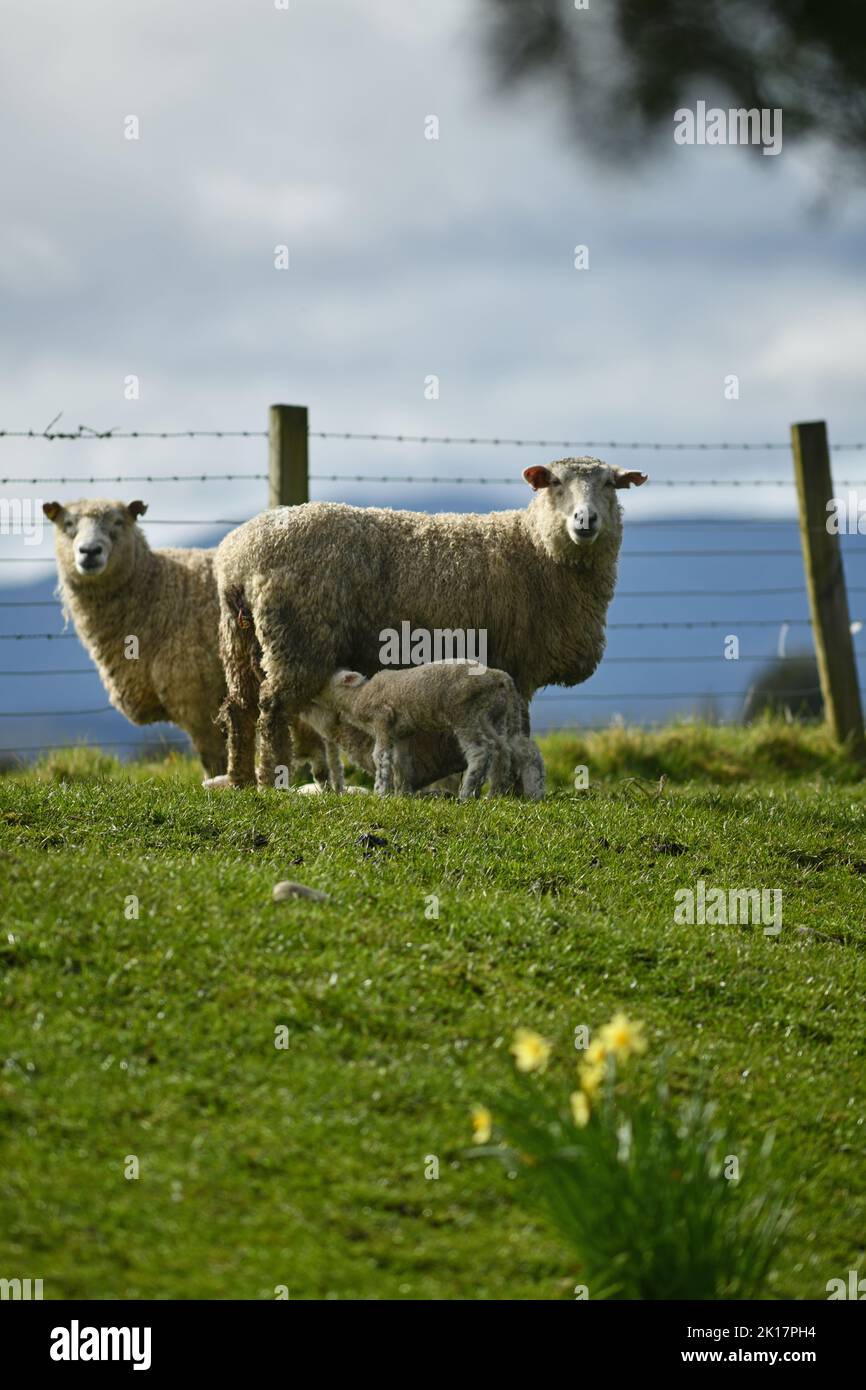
(478, 751)
(532, 773)
(383, 761)
(403, 767)
(335, 767)
(237, 715)
(502, 769)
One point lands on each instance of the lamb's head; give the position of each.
(576, 505)
(95, 537)
(337, 692)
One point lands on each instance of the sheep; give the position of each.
(323, 581)
(116, 589)
(463, 697)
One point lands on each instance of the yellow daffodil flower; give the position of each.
(623, 1038)
(482, 1124)
(580, 1109)
(531, 1051)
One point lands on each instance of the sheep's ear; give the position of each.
(628, 477)
(349, 679)
(538, 476)
(54, 512)
(137, 509)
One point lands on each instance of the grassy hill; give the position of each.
(153, 1037)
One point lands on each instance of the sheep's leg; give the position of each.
(238, 712)
(275, 738)
(211, 748)
(288, 686)
(309, 747)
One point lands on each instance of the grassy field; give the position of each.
(304, 1166)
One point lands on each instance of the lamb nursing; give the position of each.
(322, 581)
(472, 702)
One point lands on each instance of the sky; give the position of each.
(304, 127)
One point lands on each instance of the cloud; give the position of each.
(408, 256)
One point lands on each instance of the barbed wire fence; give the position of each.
(289, 479)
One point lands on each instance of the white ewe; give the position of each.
(323, 581)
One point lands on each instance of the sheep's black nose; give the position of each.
(586, 520)
(90, 549)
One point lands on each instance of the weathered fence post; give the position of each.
(825, 580)
(288, 480)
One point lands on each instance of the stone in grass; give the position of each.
(286, 889)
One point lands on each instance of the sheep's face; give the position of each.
(91, 536)
(578, 499)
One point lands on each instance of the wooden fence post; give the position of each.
(825, 580)
(288, 478)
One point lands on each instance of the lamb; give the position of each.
(519, 769)
(116, 589)
(469, 700)
(322, 583)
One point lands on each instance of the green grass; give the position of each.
(305, 1167)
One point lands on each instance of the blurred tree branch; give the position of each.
(621, 68)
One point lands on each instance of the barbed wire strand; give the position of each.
(620, 594)
(438, 478)
(86, 433)
(766, 657)
(692, 624)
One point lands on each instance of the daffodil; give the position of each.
(531, 1051)
(591, 1078)
(596, 1053)
(623, 1038)
(482, 1124)
(580, 1109)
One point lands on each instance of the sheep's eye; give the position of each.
(610, 483)
(555, 482)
